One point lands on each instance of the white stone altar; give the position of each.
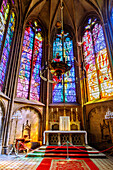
(62, 137)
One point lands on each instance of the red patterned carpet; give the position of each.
(64, 164)
(45, 164)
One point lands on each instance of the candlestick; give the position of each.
(72, 114)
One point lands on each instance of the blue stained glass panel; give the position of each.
(57, 93)
(98, 37)
(57, 48)
(69, 77)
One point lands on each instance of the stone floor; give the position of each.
(18, 163)
(12, 162)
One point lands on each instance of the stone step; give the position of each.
(73, 152)
(62, 155)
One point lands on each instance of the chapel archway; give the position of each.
(29, 127)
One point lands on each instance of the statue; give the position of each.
(26, 130)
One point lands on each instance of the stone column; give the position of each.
(13, 79)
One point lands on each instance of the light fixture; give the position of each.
(58, 65)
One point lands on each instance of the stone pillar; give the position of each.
(13, 79)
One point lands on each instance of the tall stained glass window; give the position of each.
(64, 90)
(29, 79)
(4, 14)
(99, 79)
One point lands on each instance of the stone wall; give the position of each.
(99, 129)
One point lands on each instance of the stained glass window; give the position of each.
(8, 41)
(25, 66)
(37, 57)
(29, 79)
(99, 79)
(65, 90)
(89, 57)
(4, 12)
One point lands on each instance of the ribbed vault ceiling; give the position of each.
(48, 11)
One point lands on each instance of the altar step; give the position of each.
(61, 152)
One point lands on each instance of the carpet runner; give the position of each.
(71, 164)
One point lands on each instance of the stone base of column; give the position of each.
(5, 150)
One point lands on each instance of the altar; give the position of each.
(64, 126)
(60, 137)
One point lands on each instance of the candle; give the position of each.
(76, 109)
